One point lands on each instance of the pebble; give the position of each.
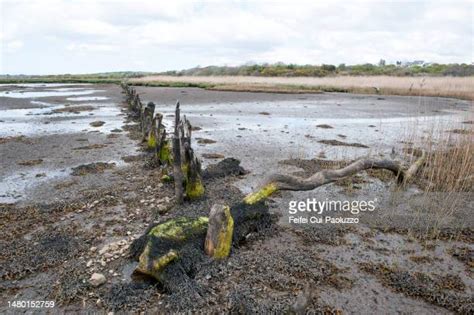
(97, 279)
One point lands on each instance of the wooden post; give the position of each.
(219, 232)
(192, 165)
(147, 120)
(177, 171)
(137, 105)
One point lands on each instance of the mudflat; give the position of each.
(74, 196)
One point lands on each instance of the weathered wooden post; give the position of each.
(131, 98)
(219, 232)
(137, 105)
(177, 171)
(157, 141)
(154, 134)
(192, 165)
(147, 119)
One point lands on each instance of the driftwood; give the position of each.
(288, 182)
(177, 171)
(226, 227)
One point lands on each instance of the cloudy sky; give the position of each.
(74, 36)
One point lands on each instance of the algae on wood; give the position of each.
(164, 242)
(219, 232)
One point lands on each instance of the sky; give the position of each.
(87, 36)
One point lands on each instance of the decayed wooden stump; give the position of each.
(136, 105)
(168, 248)
(219, 232)
(192, 165)
(129, 95)
(157, 141)
(177, 171)
(146, 121)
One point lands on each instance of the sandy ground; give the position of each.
(59, 229)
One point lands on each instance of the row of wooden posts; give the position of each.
(175, 152)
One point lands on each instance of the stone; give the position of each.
(97, 279)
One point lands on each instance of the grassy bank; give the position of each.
(456, 87)
(61, 80)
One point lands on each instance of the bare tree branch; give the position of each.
(289, 182)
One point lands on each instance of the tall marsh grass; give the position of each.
(457, 87)
(446, 179)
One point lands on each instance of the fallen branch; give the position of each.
(279, 182)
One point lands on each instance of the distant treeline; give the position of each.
(293, 70)
(103, 77)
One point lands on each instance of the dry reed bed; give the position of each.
(457, 87)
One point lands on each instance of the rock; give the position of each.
(97, 123)
(108, 255)
(104, 250)
(89, 263)
(97, 279)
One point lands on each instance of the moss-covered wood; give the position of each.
(146, 125)
(172, 251)
(194, 186)
(261, 194)
(165, 241)
(177, 170)
(219, 232)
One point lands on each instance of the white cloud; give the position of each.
(14, 45)
(108, 35)
(83, 47)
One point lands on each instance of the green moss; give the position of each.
(262, 194)
(155, 268)
(165, 153)
(185, 169)
(194, 189)
(166, 178)
(179, 228)
(224, 242)
(151, 143)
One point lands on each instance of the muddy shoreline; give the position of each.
(65, 228)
